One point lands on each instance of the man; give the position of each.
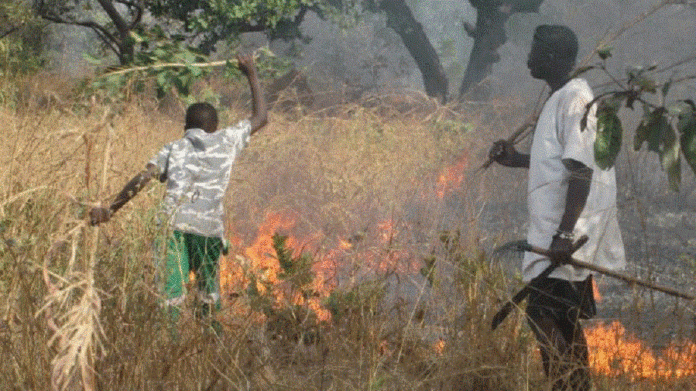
(568, 196)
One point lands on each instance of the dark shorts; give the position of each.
(561, 299)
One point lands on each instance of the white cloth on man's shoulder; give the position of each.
(557, 137)
(197, 169)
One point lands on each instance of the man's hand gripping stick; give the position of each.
(556, 260)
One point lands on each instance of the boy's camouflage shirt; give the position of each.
(197, 169)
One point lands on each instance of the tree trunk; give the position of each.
(489, 35)
(122, 39)
(401, 20)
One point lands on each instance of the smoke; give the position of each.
(371, 56)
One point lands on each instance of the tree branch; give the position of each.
(115, 17)
(169, 65)
(10, 31)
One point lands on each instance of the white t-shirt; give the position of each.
(197, 171)
(557, 137)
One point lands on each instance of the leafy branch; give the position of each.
(155, 67)
(172, 64)
(667, 127)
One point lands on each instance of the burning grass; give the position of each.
(615, 353)
(358, 259)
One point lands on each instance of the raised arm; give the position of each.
(102, 214)
(259, 113)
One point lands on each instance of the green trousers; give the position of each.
(188, 252)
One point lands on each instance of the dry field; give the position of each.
(375, 208)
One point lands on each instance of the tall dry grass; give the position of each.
(81, 308)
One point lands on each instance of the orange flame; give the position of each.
(595, 291)
(390, 256)
(262, 262)
(614, 353)
(452, 177)
(259, 259)
(439, 346)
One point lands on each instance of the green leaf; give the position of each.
(687, 140)
(160, 53)
(653, 128)
(656, 130)
(642, 132)
(679, 108)
(665, 88)
(646, 84)
(608, 141)
(604, 52)
(195, 71)
(637, 77)
(183, 83)
(163, 80)
(136, 37)
(687, 117)
(91, 59)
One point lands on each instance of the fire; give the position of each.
(387, 231)
(344, 244)
(595, 291)
(261, 252)
(613, 353)
(390, 255)
(452, 177)
(439, 346)
(259, 255)
(255, 261)
(259, 259)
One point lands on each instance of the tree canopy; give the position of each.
(174, 44)
(22, 37)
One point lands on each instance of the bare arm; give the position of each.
(100, 215)
(504, 153)
(578, 190)
(259, 113)
(576, 198)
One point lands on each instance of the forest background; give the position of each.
(363, 230)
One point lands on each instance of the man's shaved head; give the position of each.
(560, 41)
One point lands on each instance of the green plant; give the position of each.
(668, 127)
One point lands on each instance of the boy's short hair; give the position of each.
(202, 116)
(559, 40)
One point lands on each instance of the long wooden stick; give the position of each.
(611, 273)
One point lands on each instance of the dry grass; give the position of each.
(80, 304)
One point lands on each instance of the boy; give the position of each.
(568, 196)
(196, 170)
